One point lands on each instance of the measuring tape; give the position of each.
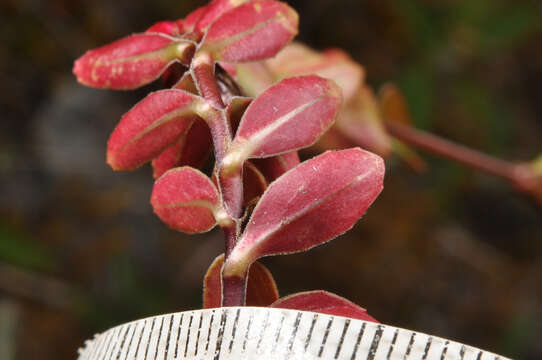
(269, 333)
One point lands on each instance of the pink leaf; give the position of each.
(275, 166)
(149, 127)
(261, 287)
(186, 200)
(250, 32)
(131, 62)
(298, 59)
(323, 302)
(288, 116)
(192, 149)
(316, 201)
(192, 19)
(214, 10)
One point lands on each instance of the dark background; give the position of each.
(450, 252)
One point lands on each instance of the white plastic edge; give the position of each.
(268, 333)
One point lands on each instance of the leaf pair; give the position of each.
(232, 30)
(262, 291)
(288, 116)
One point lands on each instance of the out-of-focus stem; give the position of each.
(448, 149)
(521, 175)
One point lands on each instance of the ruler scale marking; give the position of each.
(283, 334)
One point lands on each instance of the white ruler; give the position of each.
(266, 333)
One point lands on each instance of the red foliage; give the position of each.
(323, 302)
(289, 206)
(261, 287)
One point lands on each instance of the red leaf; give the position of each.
(261, 287)
(275, 166)
(323, 302)
(192, 149)
(131, 62)
(186, 200)
(316, 201)
(250, 32)
(192, 19)
(172, 28)
(214, 10)
(149, 127)
(288, 116)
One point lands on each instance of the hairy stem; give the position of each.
(230, 182)
(203, 73)
(235, 295)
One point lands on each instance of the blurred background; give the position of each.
(451, 252)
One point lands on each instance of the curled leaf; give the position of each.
(186, 83)
(149, 127)
(316, 201)
(254, 183)
(131, 62)
(323, 302)
(288, 116)
(261, 287)
(252, 31)
(186, 200)
(192, 149)
(235, 110)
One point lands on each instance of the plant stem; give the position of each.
(459, 153)
(203, 73)
(230, 183)
(230, 233)
(235, 295)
